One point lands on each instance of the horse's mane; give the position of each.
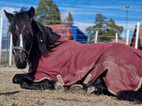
(47, 38)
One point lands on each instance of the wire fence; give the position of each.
(5, 51)
(6, 43)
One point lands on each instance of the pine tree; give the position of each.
(106, 29)
(70, 19)
(47, 12)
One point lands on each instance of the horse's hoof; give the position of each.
(24, 85)
(91, 89)
(15, 81)
(18, 78)
(58, 85)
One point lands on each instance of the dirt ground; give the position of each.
(12, 95)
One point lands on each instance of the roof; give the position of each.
(132, 43)
(78, 35)
(62, 29)
(69, 31)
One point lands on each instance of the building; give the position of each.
(132, 43)
(69, 31)
(78, 35)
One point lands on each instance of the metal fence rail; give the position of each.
(6, 44)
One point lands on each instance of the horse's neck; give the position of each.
(45, 33)
(43, 39)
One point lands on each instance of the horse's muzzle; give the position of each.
(21, 60)
(21, 65)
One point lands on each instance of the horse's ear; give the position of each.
(31, 12)
(9, 16)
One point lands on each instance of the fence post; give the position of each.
(137, 35)
(1, 27)
(10, 50)
(116, 37)
(96, 37)
(127, 37)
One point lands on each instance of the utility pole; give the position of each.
(127, 10)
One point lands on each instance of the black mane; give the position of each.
(45, 40)
(44, 36)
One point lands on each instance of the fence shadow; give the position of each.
(9, 93)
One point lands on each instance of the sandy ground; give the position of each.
(12, 95)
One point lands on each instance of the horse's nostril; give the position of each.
(21, 60)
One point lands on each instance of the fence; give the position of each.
(6, 44)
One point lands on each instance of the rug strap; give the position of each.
(88, 77)
(60, 79)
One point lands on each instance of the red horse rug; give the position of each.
(73, 61)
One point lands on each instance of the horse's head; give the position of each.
(22, 34)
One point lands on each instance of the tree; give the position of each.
(47, 12)
(68, 20)
(106, 29)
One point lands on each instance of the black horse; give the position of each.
(31, 39)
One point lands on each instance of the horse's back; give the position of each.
(73, 61)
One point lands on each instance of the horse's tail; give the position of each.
(130, 95)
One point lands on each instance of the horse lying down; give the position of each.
(113, 68)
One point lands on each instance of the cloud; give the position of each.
(131, 27)
(89, 12)
(64, 15)
(131, 24)
(14, 4)
(108, 11)
(11, 3)
(83, 25)
(5, 20)
(116, 12)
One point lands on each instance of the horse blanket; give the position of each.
(72, 60)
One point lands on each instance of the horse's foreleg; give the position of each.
(18, 78)
(45, 84)
(99, 86)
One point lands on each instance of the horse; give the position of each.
(112, 69)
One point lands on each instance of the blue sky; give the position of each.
(84, 11)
